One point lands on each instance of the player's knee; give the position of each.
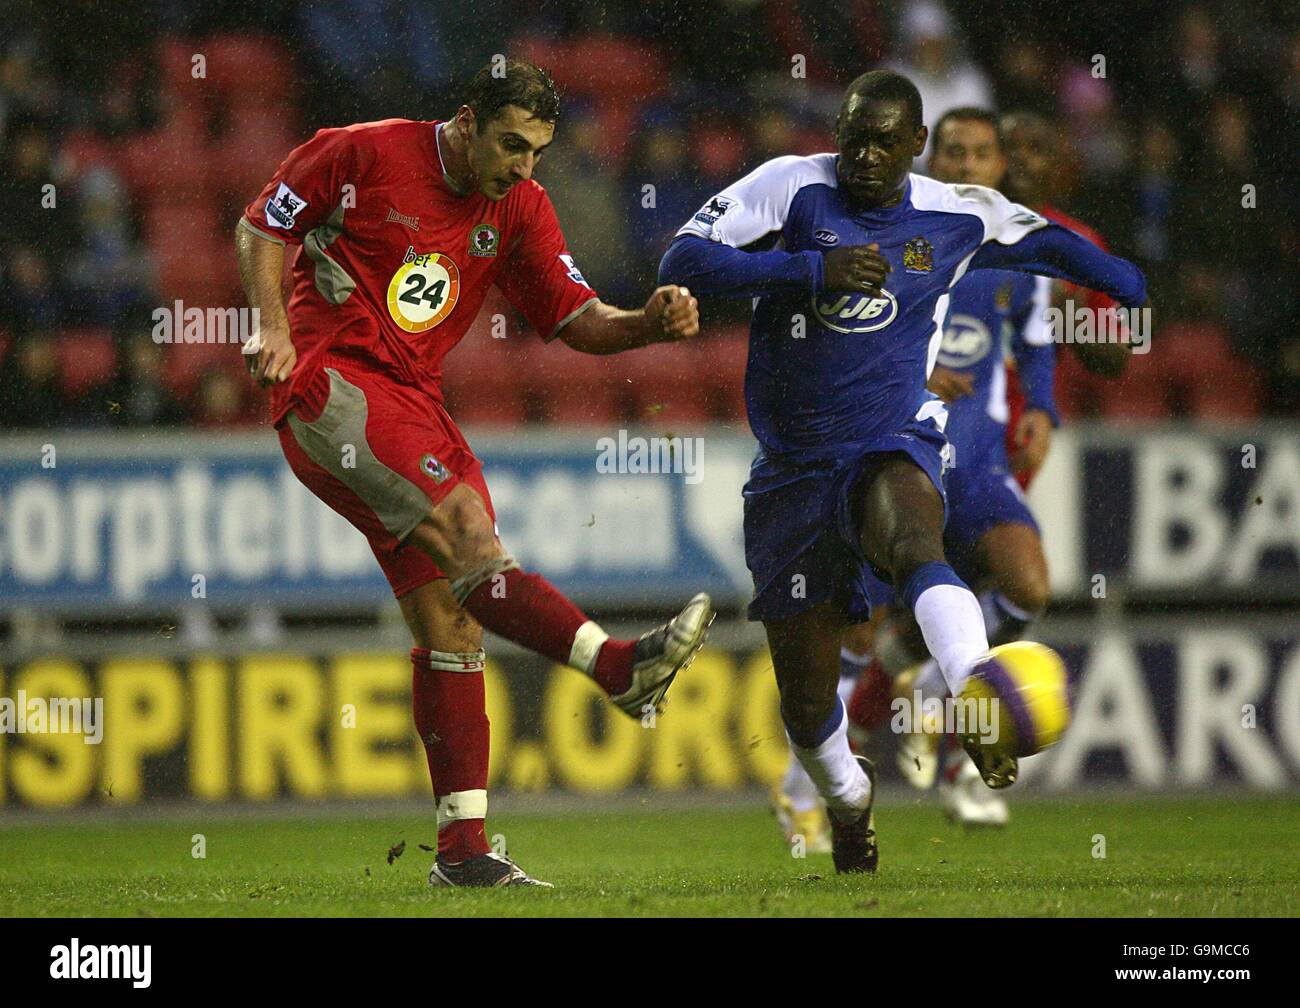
(1030, 592)
(464, 529)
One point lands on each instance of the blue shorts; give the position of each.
(801, 529)
(979, 498)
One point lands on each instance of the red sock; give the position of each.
(870, 703)
(451, 718)
(613, 671)
(529, 610)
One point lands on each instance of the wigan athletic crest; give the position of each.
(918, 256)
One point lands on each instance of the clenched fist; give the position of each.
(855, 268)
(674, 309)
(270, 356)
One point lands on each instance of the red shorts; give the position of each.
(381, 454)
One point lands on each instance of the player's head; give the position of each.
(967, 148)
(507, 120)
(879, 131)
(1032, 148)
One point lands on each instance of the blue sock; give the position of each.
(827, 729)
(929, 574)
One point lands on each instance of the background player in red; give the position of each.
(1033, 150)
(397, 229)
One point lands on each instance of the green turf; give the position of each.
(1197, 857)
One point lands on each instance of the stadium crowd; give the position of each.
(154, 125)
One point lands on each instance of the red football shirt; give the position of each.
(392, 262)
(1095, 300)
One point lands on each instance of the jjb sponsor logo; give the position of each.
(855, 313)
(283, 208)
(966, 342)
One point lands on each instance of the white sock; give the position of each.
(840, 780)
(930, 681)
(953, 626)
(798, 786)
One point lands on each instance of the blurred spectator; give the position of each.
(376, 56)
(107, 275)
(30, 396)
(1025, 76)
(589, 201)
(1156, 190)
(37, 204)
(660, 159)
(30, 297)
(141, 395)
(932, 58)
(220, 397)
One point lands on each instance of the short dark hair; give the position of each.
(890, 86)
(968, 113)
(514, 82)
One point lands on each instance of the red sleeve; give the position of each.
(307, 187)
(541, 279)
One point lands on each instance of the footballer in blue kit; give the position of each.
(994, 315)
(850, 259)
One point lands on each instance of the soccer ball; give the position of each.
(1028, 681)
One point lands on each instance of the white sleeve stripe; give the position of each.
(759, 203)
(1004, 222)
(1038, 329)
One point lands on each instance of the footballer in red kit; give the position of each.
(1033, 157)
(397, 229)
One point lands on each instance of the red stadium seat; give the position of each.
(176, 58)
(186, 362)
(718, 152)
(618, 74)
(669, 385)
(603, 67)
(246, 159)
(193, 256)
(83, 150)
(569, 387)
(482, 384)
(726, 352)
(87, 358)
(250, 70)
(171, 165)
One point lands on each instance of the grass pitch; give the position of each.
(1186, 857)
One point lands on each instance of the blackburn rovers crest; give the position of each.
(918, 256)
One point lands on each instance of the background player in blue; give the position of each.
(850, 258)
(992, 538)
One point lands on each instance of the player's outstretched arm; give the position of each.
(1056, 251)
(671, 314)
(270, 354)
(715, 268)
